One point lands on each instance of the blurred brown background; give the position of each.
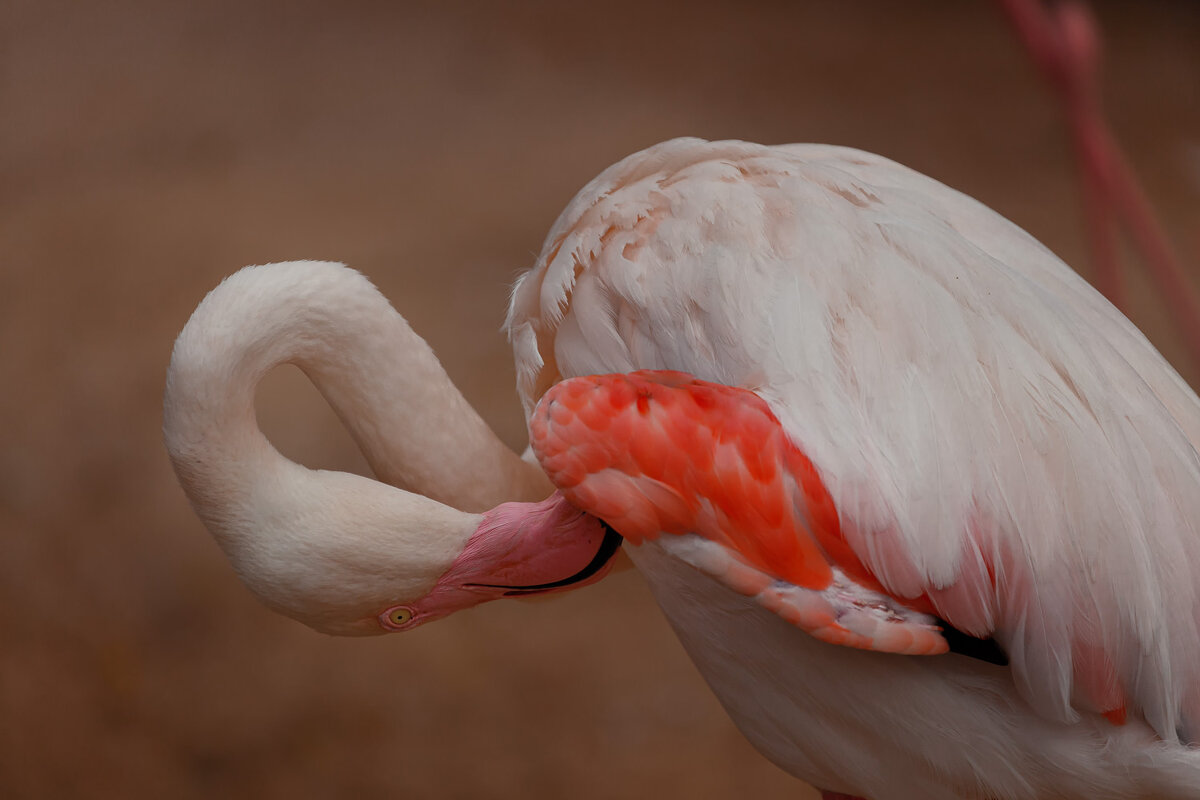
(149, 148)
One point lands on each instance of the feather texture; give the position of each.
(994, 434)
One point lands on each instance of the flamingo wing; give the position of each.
(997, 440)
(655, 453)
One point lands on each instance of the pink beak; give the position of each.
(519, 549)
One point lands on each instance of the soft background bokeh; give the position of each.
(149, 148)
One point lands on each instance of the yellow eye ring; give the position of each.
(396, 617)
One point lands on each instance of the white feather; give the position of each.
(970, 402)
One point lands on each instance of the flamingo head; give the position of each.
(344, 553)
(351, 556)
(517, 550)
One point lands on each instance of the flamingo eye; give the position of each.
(397, 617)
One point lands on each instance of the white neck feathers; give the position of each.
(329, 548)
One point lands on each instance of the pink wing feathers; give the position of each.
(708, 466)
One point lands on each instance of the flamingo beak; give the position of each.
(591, 572)
(518, 550)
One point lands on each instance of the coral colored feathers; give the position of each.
(709, 465)
(653, 452)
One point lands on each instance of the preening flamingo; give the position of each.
(923, 507)
(339, 552)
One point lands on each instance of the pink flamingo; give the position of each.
(920, 503)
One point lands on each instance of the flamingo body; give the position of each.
(904, 410)
(999, 446)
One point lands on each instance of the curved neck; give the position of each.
(329, 548)
(383, 381)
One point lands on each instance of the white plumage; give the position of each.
(994, 433)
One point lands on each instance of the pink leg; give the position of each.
(1064, 41)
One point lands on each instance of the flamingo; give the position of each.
(921, 505)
